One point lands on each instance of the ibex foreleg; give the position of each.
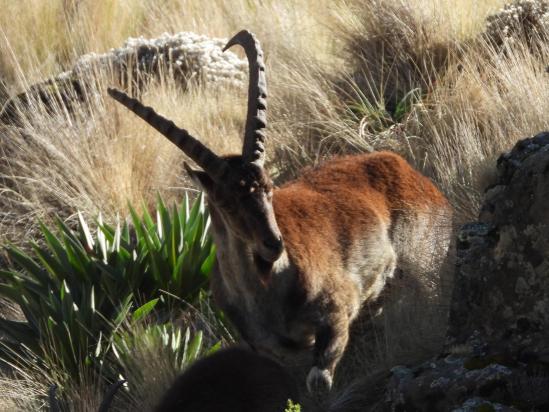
(330, 341)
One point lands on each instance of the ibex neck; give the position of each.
(240, 271)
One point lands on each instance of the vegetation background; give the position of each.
(438, 81)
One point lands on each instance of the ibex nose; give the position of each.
(273, 244)
(270, 248)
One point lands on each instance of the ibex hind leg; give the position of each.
(333, 336)
(407, 319)
(366, 340)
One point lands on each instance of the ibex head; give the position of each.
(243, 205)
(239, 189)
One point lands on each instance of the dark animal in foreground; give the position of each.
(231, 380)
(296, 263)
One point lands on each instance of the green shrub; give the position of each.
(150, 357)
(375, 117)
(178, 349)
(292, 407)
(75, 289)
(176, 251)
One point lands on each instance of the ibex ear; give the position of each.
(201, 178)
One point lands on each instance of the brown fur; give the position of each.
(341, 224)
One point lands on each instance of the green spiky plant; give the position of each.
(178, 252)
(183, 348)
(375, 116)
(149, 356)
(76, 288)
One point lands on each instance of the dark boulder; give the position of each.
(231, 380)
(497, 354)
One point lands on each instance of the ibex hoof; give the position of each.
(319, 381)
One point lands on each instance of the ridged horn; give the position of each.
(217, 168)
(256, 118)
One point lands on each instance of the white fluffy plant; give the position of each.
(522, 19)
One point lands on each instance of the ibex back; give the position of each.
(295, 264)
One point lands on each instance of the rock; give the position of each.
(502, 280)
(497, 355)
(447, 384)
(477, 404)
(184, 56)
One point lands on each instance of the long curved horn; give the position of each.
(216, 167)
(256, 119)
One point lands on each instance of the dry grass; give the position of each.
(62, 30)
(338, 75)
(474, 100)
(112, 158)
(99, 158)
(59, 163)
(476, 114)
(20, 394)
(148, 360)
(42, 38)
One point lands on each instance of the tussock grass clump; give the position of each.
(423, 80)
(21, 393)
(115, 158)
(98, 158)
(59, 163)
(152, 356)
(148, 356)
(475, 114)
(394, 49)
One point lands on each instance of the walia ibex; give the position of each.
(295, 263)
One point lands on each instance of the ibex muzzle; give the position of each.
(295, 264)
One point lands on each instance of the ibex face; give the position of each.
(244, 206)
